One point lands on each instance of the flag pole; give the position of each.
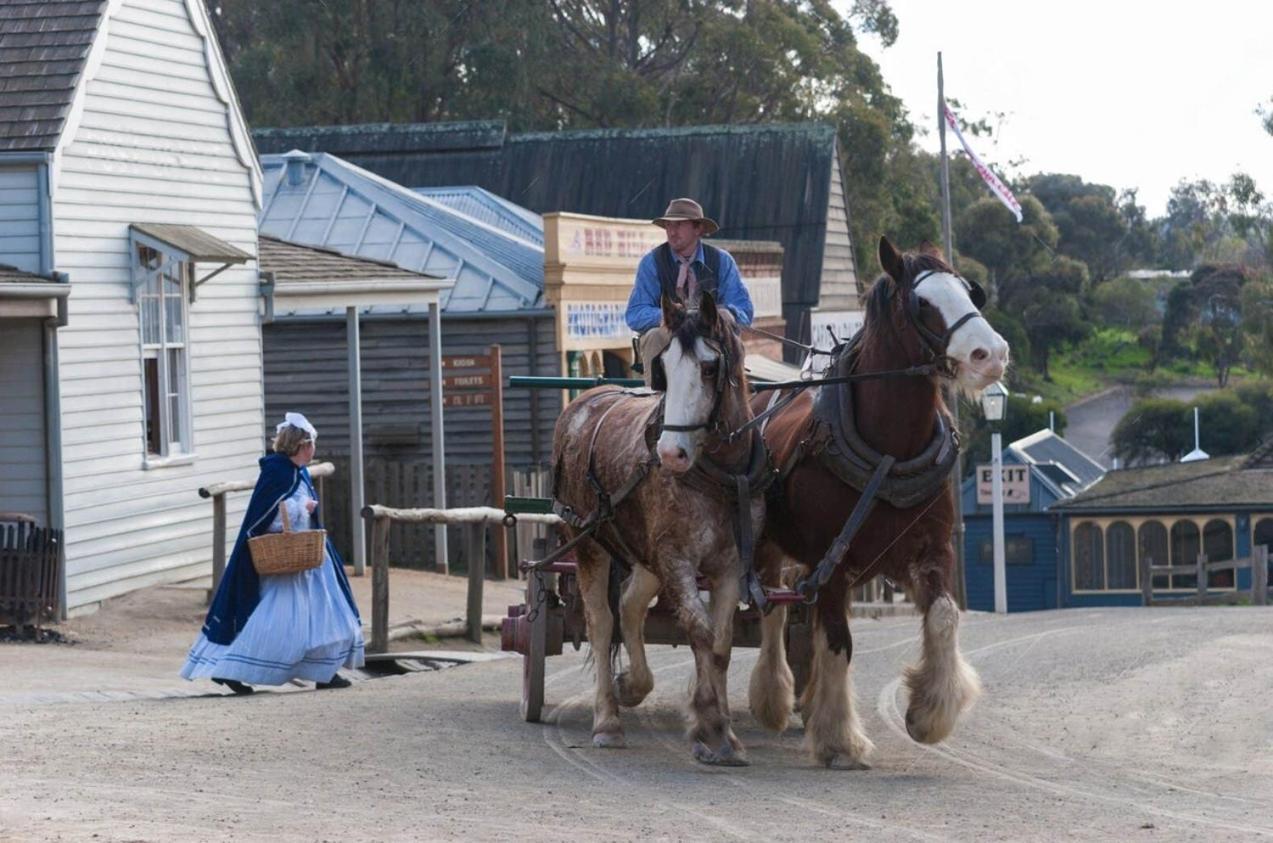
(952, 394)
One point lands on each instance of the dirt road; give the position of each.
(1140, 724)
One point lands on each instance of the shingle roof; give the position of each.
(198, 244)
(43, 49)
(296, 262)
(335, 204)
(761, 182)
(1214, 483)
(13, 275)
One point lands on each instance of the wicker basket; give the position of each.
(289, 551)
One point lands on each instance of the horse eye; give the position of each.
(710, 369)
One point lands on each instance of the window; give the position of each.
(1185, 547)
(161, 299)
(1262, 534)
(1017, 550)
(1217, 544)
(1153, 544)
(1120, 555)
(1089, 558)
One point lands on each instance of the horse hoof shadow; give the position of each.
(609, 740)
(724, 756)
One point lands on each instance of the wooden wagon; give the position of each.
(553, 612)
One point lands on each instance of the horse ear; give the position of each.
(671, 314)
(707, 312)
(891, 260)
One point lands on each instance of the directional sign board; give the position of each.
(467, 399)
(469, 361)
(475, 381)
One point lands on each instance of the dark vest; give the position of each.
(707, 271)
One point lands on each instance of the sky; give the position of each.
(1129, 93)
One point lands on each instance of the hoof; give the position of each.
(724, 756)
(609, 740)
(844, 762)
(628, 696)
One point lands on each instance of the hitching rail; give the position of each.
(475, 520)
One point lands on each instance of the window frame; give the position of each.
(176, 435)
(1168, 522)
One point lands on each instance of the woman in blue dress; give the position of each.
(273, 629)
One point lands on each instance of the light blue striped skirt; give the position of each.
(302, 628)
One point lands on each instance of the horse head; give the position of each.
(702, 367)
(944, 311)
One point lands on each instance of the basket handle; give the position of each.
(282, 511)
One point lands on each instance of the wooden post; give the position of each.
(497, 459)
(379, 584)
(475, 554)
(533, 662)
(218, 544)
(1259, 575)
(1202, 577)
(1146, 582)
(356, 482)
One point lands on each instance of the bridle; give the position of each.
(936, 344)
(725, 367)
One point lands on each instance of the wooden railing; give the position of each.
(218, 491)
(1258, 562)
(474, 519)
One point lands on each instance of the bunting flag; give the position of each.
(997, 187)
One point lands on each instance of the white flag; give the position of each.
(998, 188)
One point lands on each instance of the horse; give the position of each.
(923, 325)
(671, 511)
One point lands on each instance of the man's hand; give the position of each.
(311, 505)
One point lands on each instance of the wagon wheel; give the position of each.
(533, 661)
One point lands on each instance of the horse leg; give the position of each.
(942, 686)
(594, 578)
(770, 691)
(833, 733)
(723, 606)
(708, 723)
(632, 686)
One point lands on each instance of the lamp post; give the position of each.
(994, 404)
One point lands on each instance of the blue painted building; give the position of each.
(1045, 470)
(1164, 515)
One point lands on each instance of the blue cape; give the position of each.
(240, 588)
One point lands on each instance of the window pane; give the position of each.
(1089, 562)
(1019, 550)
(1120, 544)
(176, 396)
(1263, 535)
(150, 369)
(1185, 546)
(173, 327)
(1217, 543)
(150, 320)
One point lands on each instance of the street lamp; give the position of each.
(994, 405)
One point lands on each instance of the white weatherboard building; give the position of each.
(130, 341)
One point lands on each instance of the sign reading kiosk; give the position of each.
(1016, 484)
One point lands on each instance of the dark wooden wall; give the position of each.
(306, 371)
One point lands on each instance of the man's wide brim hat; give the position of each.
(686, 209)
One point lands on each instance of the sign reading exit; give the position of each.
(1016, 484)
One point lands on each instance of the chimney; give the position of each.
(296, 161)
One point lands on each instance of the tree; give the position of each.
(1092, 225)
(1257, 322)
(1011, 252)
(1217, 293)
(1230, 422)
(1126, 303)
(1153, 430)
(1049, 306)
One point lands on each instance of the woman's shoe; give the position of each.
(236, 686)
(337, 681)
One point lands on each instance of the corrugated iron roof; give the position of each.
(486, 207)
(196, 243)
(1045, 446)
(330, 202)
(43, 48)
(760, 182)
(297, 262)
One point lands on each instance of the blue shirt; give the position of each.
(645, 310)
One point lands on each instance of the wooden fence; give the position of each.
(1257, 562)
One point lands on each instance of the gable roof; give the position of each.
(1065, 465)
(760, 181)
(1219, 483)
(44, 47)
(325, 201)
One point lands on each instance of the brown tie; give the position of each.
(685, 279)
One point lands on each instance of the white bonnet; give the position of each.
(297, 421)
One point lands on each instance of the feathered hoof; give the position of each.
(723, 756)
(609, 740)
(845, 762)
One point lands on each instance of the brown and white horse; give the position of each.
(920, 312)
(669, 529)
